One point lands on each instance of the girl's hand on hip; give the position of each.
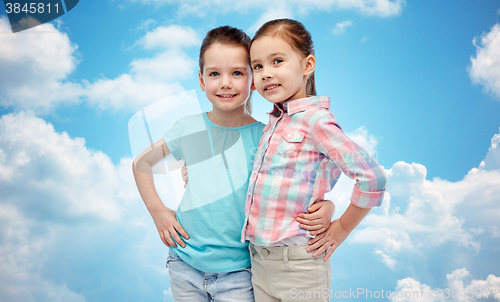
(168, 227)
(328, 241)
(319, 217)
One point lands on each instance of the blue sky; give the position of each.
(417, 83)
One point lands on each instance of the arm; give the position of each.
(163, 217)
(357, 164)
(338, 231)
(319, 217)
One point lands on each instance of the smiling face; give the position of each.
(280, 72)
(226, 77)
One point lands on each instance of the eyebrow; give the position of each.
(272, 55)
(232, 68)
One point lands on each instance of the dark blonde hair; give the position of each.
(226, 35)
(294, 33)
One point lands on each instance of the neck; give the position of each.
(230, 118)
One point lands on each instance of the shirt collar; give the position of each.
(298, 105)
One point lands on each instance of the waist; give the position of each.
(281, 252)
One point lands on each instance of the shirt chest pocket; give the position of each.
(291, 142)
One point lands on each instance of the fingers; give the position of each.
(162, 237)
(312, 227)
(314, 207)
(318, 244)
(169, 240)
(321, 230)
(184, 174)
(310, 216)
(309, 221)
(177, 239)
(312, 242)
(329, 253)
(181, 231)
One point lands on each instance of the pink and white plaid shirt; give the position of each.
(300, 157)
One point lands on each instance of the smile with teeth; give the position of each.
(226, 95)
(271, 87)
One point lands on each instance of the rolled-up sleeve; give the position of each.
(353, 161)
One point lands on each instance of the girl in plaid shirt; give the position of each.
(300, 157)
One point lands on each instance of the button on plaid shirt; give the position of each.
(300, 157)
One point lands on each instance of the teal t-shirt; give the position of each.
(219, 162)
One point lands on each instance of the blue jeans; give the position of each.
(191, 285)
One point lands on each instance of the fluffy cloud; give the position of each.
(270, 14)
(341, 26)
(36, 64)
(492, 159)
(409, 289)
(34, 67)
(149, 79)
(485, 68)
(420, 214)
(72, 224)
(173, 36)
(53, 166)
(381, 8)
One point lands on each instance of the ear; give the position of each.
(202, 83)
(310, 65)
(252, 87)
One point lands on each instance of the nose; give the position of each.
(266, 74)
(226, 83)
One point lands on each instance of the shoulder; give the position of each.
(191, 122)
(259, 126)
(186, 125)
(317, 116)
(191, 119)
(256, 129)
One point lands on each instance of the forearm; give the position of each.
(145, 183)
(352, 217)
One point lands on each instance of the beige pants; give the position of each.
(289, 273)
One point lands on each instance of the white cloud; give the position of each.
(420, 214)
(149, 79)
(146, 24)
(388, 260)
(485, 68)
(72, 224)
(65, 179)
(409, 289)
(341, 26)
(430, 213)
(270, 14)
(21, 256)
(380, 8)
(173, 36)
(492, 159)
(34, 65)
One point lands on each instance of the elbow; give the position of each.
(382, 180)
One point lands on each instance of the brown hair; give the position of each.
(226, 35)
(294, 33)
